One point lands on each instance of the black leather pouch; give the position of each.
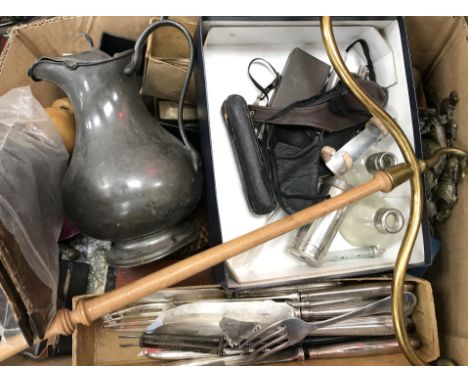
(255, 181)
(293, 154)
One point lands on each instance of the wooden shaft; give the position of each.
(87, 311)
(119, 298)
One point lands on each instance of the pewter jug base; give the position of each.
(132, 253)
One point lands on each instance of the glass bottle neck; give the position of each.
(380, 161)
(388, 220)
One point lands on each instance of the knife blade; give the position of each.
(261, 312)
(181, 295)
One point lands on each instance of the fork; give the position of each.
(291, 331)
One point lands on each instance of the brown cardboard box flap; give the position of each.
(164, 80)
(29, 42)
(168, 42)
(167, 60)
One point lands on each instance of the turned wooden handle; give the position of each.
(63, 118)
(63, 103)
(89, 310)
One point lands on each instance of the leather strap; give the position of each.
(366, 51)
(264, 91)
(336, 114)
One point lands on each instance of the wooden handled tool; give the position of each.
(87, 311)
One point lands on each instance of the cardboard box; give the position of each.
(439, 51)
(54, 37)
(93, 345)
(167, 61)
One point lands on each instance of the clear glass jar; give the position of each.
(372, 221)
(371, 162)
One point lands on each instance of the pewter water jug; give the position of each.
(129, 180)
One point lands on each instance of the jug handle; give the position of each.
(136, 60)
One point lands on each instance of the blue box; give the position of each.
(224, 47)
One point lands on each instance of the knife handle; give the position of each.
(367, 290)
(309, 311)
(362, 326)
(357, 348)
(209, 345)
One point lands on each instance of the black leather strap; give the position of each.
(365, 49)
(264, 91)
(333, 111)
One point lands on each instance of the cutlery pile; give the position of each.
(212, 327)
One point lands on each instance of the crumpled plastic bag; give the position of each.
(33, 161)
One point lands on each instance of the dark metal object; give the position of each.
(445, 192)
(447, 108)
(129, 180)
(439, 129)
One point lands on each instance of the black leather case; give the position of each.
(257, 187)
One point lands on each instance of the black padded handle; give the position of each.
(257, 186)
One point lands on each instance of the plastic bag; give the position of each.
(8, 324)
(33, 161)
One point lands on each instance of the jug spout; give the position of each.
(61, 70)
(49, 70)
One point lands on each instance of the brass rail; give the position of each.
(411, 172)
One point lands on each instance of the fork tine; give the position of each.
(265, 340)
(260, 333)
(270, 352)
(268, 349)
(270, 344)
(250, 346)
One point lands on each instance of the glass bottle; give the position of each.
(371, 162)
(372, 221)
